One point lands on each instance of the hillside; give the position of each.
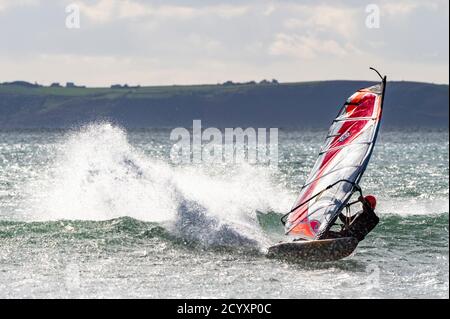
(308, 104)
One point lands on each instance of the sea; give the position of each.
(99, 211)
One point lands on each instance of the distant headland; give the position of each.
(266, 103)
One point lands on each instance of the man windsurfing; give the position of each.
(324, 197)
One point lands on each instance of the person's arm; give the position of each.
(347, 220)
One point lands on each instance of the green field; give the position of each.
(409, 104)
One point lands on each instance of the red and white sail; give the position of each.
(345, 155)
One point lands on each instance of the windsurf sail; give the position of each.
(340, 165)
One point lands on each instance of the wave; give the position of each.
(413, 206)
(97, 175)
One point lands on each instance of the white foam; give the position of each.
(98, 175)
(412, 206)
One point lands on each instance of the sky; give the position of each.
(199, 41)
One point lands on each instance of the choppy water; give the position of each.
(100, 212)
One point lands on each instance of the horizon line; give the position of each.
(226, 83)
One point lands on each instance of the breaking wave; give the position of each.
(98, 175)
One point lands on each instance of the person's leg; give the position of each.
(333, 235)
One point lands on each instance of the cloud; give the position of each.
(317, 31)
(325, 19)
(105, 11)
(402, 8)
(306, 47)
(205, 43)
(399, 8)
(8, 4)
(269, 9)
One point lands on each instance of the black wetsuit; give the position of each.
(359, 226)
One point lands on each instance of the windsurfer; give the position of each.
(359, 225)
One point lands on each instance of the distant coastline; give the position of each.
(259, 104)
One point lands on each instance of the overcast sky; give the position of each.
(194, 41)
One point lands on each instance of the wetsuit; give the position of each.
(359, 225)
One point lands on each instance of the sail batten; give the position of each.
(331, 172)
(342, 146)
(355, 119)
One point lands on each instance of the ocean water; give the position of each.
(102, 212)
